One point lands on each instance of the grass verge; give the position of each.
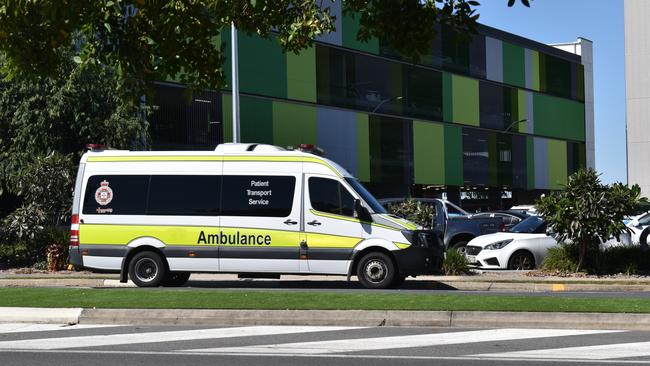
(215, 299)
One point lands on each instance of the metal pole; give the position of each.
(235, 86)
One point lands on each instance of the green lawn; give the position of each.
(365, 300)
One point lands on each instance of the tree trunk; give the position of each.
(582, 246)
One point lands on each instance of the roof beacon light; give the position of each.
(312, 149)
(95, 147)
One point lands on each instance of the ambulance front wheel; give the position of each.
(376, 270)
(147, 269)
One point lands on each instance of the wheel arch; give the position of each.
(365, 249)
(141, 245)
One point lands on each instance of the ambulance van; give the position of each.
(244, 209)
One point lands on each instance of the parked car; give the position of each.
(524, 247)
(454, 225)
(510, 218)
(637, 224)
(529, 210)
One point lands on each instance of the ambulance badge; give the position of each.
(104, 194)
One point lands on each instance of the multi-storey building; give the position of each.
(487, 118)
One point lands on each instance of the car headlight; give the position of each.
(498, 245)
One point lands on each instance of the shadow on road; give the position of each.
(309, 284)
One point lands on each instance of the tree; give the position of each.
(145, 41)
(45, 123)
(587, 211)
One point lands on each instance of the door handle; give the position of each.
(290, 222)
(314, 223)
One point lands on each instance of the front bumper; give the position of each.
(420, 258)
(479, 257)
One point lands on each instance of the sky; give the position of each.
(601, 21)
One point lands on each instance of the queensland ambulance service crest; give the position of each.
(104, 194)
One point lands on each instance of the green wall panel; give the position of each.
(447, 98)
(294, 124)
(559, 117)
(465, 94)
(530, 161)
(514, 71)
(256, 120)
(522, 112)
(350, 27)
(363, 147)
(226, 103)
(429, 152)
(453, 155)
(301, 75)
(557, 164)
(535, 69)
(262, 66)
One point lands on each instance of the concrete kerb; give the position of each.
(370, 318)
(460, 319)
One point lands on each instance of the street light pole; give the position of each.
(384, 102)
(515, 123)
(235, 85)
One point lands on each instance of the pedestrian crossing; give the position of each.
(517, 345)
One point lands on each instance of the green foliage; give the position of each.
(157, 40)
(455, 263)
(560, 259)
(629, 260)
(415, 211)
(44, 124)
(587, 210)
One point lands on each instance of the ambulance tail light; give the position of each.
(74, 231)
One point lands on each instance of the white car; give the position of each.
(523, 247)
(636, 226)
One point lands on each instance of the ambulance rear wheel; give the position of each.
(176, 279)
(376, 270)
(147, 269)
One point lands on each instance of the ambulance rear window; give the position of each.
(116, 194)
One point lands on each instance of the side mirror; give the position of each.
(360, 212)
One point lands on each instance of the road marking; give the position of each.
(6, 328)
(410, 341)
(601, 352)
(157, 337)
(326, 356)
(558, 287)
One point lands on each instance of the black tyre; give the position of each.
(521, 260)
(147, 269)
(376, 270)
(176, 279)
(460, 246)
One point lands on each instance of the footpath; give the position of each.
(500, 282)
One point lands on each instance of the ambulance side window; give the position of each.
(257, 195)
(116, 195)
(328, 195)
(185, 195)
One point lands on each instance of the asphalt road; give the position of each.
(24, 344)
(409, 287)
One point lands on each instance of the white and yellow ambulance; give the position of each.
(244, 208)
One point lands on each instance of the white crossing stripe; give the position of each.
(156, 337)
(602, 352)
(409, 341)
(29, 327)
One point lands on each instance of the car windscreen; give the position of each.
(366, 196)
(530, 225)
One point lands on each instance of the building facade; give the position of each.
(489, 121)
(637, 92)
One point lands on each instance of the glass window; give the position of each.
(498, 107)
(422, 93)
(390, 155)
(257, 195)
(556, 76)
(530, 225)
(184, 195)
(116, 195)
(475, 157)
(367, 197)
(179, 123)
(328, 195)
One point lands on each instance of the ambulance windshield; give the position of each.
(366, 196)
